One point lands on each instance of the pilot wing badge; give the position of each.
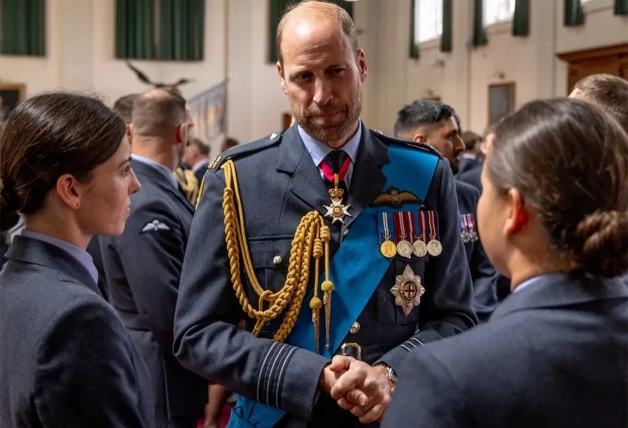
(154, 226)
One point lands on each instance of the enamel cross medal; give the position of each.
(337, 210)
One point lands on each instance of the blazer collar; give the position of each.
(33, 251)
(308, 185)
(562, 289)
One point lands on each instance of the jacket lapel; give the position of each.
(367, 179)
(307, 183)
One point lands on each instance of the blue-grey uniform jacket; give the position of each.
(279, 183)
(66, 360)
(553, 354)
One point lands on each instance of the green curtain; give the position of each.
(346, 5)
(135, 29)
(23, 27)
(521, 20)
(445, 40)
(277, 7)
(573, 13)
(181, 30)
(621, 7)
(479, 29)
(414, 48)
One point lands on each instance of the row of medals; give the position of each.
(406, 249)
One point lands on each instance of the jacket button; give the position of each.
(277, 260)
(346, 232)
(355, 327)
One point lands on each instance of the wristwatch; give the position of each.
(390, 373)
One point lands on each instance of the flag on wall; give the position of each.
(209, 110)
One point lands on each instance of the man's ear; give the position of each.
(419, 138)
(362, 66)
(182, 133)
(282, 77)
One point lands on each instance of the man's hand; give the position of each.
(372, 381)
(330, 375)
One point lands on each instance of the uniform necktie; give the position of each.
(336, 162)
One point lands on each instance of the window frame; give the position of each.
(436, 18)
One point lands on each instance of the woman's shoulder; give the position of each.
(43, 297)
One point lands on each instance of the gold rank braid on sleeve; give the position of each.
(311, 240)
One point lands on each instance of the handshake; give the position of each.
(361, 389)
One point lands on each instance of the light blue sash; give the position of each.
(356, 270)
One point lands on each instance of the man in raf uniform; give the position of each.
(314, 238)
(437, 125)
(143, 265)
(123, 107)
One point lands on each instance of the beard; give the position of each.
(335, 130)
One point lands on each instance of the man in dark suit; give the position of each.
(196, 157)
(332, 180)
(472, 175)
(228, 143)
(143, 265)
(437, 125)
(469, 157)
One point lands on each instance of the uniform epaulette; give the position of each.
(246, 149)
(420, 146)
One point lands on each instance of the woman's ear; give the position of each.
(69, 190)
(518, 215)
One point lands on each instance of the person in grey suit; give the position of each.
(320, 350)
(196, 156)
(554, 217)
(471, 176)
(437, 125)
(143, 265)
(471, 156)
(65, 358)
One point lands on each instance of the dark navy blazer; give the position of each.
(66, 360)
(472, 177)
(554, 354)
(483, 274)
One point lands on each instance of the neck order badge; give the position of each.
(336, 210)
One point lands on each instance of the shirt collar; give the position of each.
(535, 280)
(169, 175)
(318, 151)
(198, 165)
(79, 254)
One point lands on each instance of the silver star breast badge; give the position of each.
(407, 290)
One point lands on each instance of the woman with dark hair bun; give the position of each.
(66, 359)
(554, 218)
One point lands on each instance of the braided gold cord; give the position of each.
(308, 241)
(189, 184)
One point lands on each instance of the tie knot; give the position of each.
(335, 159)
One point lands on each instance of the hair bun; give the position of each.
(9, 206)
(605, 249)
